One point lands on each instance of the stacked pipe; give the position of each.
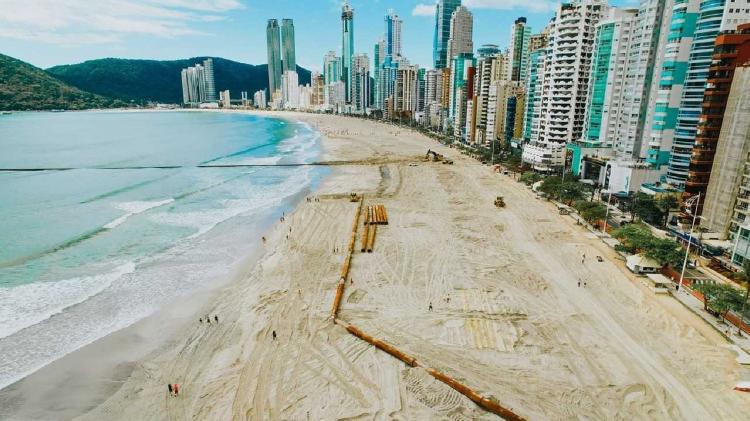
(365, 231)
(371, 242)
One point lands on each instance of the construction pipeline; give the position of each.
(375, 215)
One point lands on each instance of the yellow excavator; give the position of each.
(436, 157)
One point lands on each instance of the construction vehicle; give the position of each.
(353, 197)
(433, 156)
(500, 202)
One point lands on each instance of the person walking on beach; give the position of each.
(273, 334)
(430, 307)
(216, 318)
(169, 386)
(200, 320)
(176, 389)
(208, 319)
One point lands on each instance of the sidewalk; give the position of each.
(729, 331)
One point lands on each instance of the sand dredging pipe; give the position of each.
(347, 263)
(483, 402)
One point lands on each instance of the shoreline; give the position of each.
(503, 287)
(93, 372)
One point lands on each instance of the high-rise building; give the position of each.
(707, 27)
(539, 41)
(518, 55)
(331, 68)
(225, 99)
(378, 57)
(392, 34)
(289, 59)
(534, 84)
(461, 33)
(726, 206)
(198, 83)
(208, 65)
(290, 90)
(347, 48)
(491, 67)
(671, 80)
(732, 48)
(361, 83)
(612, 50)
(273, 47)
(567, 67)
(443, 12)
(405, 91)
(259, 99)
(462, 72)
(318, 84)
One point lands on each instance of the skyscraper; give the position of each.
(392, 34)
(443, 13)
(208, 65)
(198, 83)
(520, 39)
(287, 43)
(714, 16)
(331, 68)
(347, 48)
(361, 83)
(568, 63)
(706, 30)
(378, 56)
(732, 48)
(461, 33)
(273, 48)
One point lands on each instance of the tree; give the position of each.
(529, 178)
(666, 203)
(665, 251)
(571, 191)
(644, 207)
(551, 186)
(709, 290)
(634, 238)
(721, 298)
(591, 211)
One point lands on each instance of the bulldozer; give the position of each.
(353, 197)
(500, 202)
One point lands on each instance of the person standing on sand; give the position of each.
(273, 333)
(216, 318)
(430, 307)
(208, 319)
(200, 320)
(169, 386)
(176, 389)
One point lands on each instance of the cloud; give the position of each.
(81, 22)
(423, 10)
(536, 6)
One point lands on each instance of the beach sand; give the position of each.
(508, 317)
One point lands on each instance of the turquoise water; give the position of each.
(89, 250)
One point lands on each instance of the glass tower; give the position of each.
(274, 56)
(443, 13)
(347, 48)
(287, 42)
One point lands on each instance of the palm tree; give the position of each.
(744, 277)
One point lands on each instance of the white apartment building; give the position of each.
(259, 99)
(290, 90)
(567, 71)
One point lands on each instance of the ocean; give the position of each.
(111, 239)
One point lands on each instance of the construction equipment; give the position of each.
(500, 202)
(433, 156)
(353, 197)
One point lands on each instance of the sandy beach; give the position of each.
(507, 319)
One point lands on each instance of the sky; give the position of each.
(51, 32)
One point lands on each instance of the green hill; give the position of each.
(25, 87)
(155, 80)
